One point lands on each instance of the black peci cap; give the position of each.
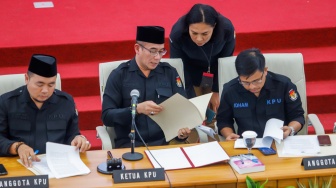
(43, 65)
(151, 34)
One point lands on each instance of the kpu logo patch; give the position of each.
(178, 81)
(293, 95)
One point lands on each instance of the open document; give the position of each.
(302, 145)
(187, 157)
(273, 130)
(60, 161)
(180, 112)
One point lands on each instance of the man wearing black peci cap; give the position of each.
(36, 113)
(156, 81)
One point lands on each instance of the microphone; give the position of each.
(135, 95)
(133, 156)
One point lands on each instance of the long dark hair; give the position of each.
(201, 13)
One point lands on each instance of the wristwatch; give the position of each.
(292, 132)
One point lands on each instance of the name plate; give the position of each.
(39, 181)
(138, 175)
(313, 163)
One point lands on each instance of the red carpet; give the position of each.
(82, 34)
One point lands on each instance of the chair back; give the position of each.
(10, 82)
(106, 68)
(288, 64)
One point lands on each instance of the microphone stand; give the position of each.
(132, 156)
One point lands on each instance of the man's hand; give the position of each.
(183, 133)
(214, 101)
(232, 136)
(149, 108)
(27, 155)
(81, 143)
(286, 131)
(229, 134)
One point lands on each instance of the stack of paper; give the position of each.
(60, 161)
(273, 130)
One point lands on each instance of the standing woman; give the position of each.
(199, 38)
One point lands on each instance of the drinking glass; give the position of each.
(249, 138)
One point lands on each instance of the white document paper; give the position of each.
(177, 158)
(64, 161)
(180, 112)
(324, 150)
(60, 161)
(40, 168)
(301, 145)
(272, 131)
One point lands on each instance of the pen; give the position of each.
(109, 154)
(241, 159)
(253, 160)
(35, 152)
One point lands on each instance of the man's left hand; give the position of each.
(183, 133)
(81, 143)
(286, 131)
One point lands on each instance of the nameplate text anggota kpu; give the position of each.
(138, 175)
(39, 181)
(313, 163)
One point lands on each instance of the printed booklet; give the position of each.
(246, 163)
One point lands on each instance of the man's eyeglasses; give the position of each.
(255, 82)
(155, 52)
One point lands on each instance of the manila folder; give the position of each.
(179, 112)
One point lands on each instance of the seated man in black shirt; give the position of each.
(36, 113)
(256, 96)
(156, 81)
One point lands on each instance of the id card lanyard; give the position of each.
(207, 78)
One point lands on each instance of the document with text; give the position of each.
(179, 112)
(187, 157)
(273, 130)
(60, 161)
(301, 145)
(41, 167)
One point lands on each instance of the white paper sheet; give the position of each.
(64, 160)
(41, 167)
(324, 150)
(199, 155)
(272, 131)
(301, 145)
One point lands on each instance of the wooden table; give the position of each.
(280, 172)
(217, 175)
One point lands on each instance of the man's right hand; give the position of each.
(229, 134)
(27, 155)
(149, 108)
(232, 136)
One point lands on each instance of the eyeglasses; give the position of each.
(155, 52)
(255, 82)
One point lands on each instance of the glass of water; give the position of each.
(249, 138)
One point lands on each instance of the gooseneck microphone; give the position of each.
(135, 95)
(133, 156)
